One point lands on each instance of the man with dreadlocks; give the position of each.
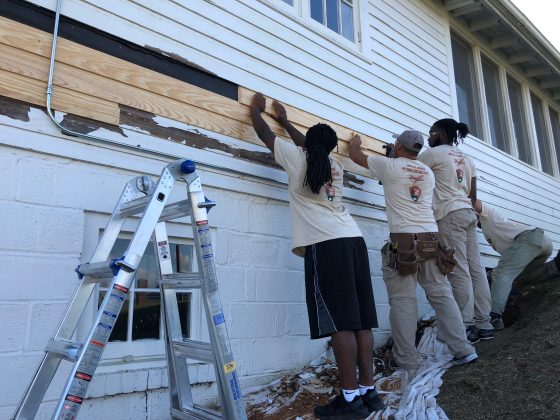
(453, 204)
(412, 255)
(338, 288)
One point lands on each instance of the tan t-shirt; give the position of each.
(454, 171)
(408, 185)
(498, 230)
(315, 218)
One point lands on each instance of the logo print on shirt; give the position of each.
(459, 161)
(414, 190)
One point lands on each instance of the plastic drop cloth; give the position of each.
(411, 395)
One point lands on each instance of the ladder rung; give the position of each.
(104, 269)
(96, 270)
(66, 349)
(196, 412)
(135, 206)
(176, 210)
(182, 281)
(196, 350)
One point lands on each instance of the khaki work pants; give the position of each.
(468, 279)
(403, 314)
(524, 262)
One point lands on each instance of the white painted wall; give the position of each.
(57, 188)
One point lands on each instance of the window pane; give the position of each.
(332, 15)
(317, 10)
(184, 259)
(184, 304)
(120, 329)
(146, 317)
(519, 122)
(494, 105)
(347, 21)
(290, 2)
(542, 138)
(555, 132)
(464, 84)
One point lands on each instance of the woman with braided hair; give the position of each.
(453, 202)
(339, 294)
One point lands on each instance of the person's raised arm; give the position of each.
(281, 116)
(355, 153)
(258, 105)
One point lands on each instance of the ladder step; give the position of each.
(169, 212)
(135, 206)
(176, 210)
(182, 281)
(65, 349)
(104, 269)
(196, 350)
(196, 412)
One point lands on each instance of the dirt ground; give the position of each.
(518, 373)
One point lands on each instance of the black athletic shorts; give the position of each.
(338, 287)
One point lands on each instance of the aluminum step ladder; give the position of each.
(142, 196)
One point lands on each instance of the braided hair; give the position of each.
(319, 141)
(455, 130)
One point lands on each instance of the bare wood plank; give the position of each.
(95, 62)
(306, 119)
(33, 91)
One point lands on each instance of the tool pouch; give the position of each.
(445, 260)
(406, 259)
(407, 263)
(426, 245)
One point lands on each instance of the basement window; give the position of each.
(141, 317)
(139, 331)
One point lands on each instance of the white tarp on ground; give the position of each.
(412, 395)
(407, 395)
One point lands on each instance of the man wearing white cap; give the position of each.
(412, 254)
(524, 250)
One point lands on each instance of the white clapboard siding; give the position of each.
(381, 109)
(400, 82)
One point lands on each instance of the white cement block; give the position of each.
(270, 218)
(252, 320)
(37, 277)
(280, 286)
(45, 318)
(297, 320)
(231, 283)
(253, 251)
(13, 326)
(124, 407)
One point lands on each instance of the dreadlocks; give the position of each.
(453, 129)
(319, 141)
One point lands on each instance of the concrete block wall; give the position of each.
(45, 207)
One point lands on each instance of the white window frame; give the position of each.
(119, 353)
(527, 87)
(301, 13)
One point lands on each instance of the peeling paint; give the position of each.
(84, 125)
(178, 58)
(145, 121)
(349, 180)
(12, 108)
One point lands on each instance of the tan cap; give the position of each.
(411, 140)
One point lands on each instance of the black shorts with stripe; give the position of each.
(338, 287)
